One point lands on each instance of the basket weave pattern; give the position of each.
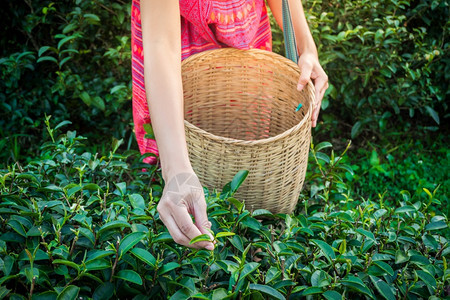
(240, 113)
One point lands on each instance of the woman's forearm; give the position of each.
(163, 83)
(305, 41)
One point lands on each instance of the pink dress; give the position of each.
(205, 25)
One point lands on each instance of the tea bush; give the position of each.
(76, 224)
(70, 59)
(387, 61)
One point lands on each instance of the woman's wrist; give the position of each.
(175, 166)
(307, 46)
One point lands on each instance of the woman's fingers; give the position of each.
(305, 74)
(201, 219)
(311, 70)
(187, 227)
(321, 85)
(182, 229)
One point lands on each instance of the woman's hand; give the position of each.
(183, 196)
(311, 69)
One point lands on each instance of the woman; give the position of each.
(157, 85)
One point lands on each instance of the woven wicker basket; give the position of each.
(240, 113)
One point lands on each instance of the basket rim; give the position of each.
(271, 139)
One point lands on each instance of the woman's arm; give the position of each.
(161, 36)
(308, 61)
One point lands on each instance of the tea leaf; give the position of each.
(129, 275)
(427, 278)
(332, 295)
(168, 267)
(137, 201)
(130, 241)
(436, 225)
(67, 263)
(385, 267)
(104, 291)
(224, 234)
(200, 238)
(238, 179)
(144, 255)
(268, 290)
(113, 225)
(69, 293)
(383, 288)
(326, 249)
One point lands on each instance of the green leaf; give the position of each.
(356, 129)
(219, 294)
(63, 123)
(17, 227)
(224, 234)
(117, 88)
(168, 267)
(383, 288)
(93, 277)
(320, 279)
(323, 145)
(114, 225)
(91, 18)
(70, 27)
(87, 233)
(357, 284)
(130, 241)
(311, 291)
(367, 234)
(104, 291)
(96, 254)
(200, 238)
(433, 114)
(97, 264)
(238, 179)
(49, 295)
(42, 50)
(272, 274)
(4, 291)
(430, 241)
(86, 98)
(374, 160)
(248, 269)
(436, 225)
(384, 266)
(268, 290)
(261, 212)
(251, 223)
(65, 40)
(144, 255)
(405, 209)
(129, 275)
(69, 293)
(332, 295)
(67, 263)
(47, 58)
(326, 249)
(239, 205)
(64, 60)
(427, 278)
(137, 201)
(98, 102)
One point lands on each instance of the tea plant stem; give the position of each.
(115, 262)
(237, 280)
(32, 287)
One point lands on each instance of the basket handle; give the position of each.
(290, 43)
